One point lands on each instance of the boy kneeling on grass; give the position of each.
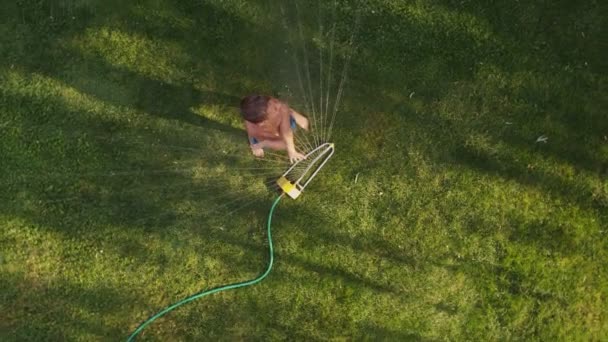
(270, 124)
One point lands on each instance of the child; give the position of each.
(270, 123)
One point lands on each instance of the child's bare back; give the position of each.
(270, 123)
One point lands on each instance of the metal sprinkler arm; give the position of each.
(295, 188)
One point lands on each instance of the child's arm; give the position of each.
(256, 148)
(300, 119)
(287, 135)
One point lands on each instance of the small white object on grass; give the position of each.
(542, 138)
(356, 177)
(412, 94)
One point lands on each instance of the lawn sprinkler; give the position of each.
(297, 177)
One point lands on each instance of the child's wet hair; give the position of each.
(253, 108)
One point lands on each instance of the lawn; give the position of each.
(467, 199)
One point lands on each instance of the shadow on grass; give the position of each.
(168, 101)
(321, 270)
(55, 177)
(508, 167)
(74, 309)
(385, 334)
(92, 74)
(65, 180)
(427, 61)
(545, 28)
(435, 61)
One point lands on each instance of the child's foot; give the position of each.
(258, 150)
(258, 153)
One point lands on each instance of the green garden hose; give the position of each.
(218, 289)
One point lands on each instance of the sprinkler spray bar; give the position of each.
(317, 159)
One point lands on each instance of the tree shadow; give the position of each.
(118, 167)
(508, 167)
(71, 192)
(435, 61)
(544, 28)
(91, 74)
(378, 333)
(142, 93)
(313, 267)
(32, 306)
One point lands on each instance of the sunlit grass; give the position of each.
(40, 88)
(440, 217)
(441, 19)
(219, 113)
(160, 60)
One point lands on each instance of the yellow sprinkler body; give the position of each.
(288, 187)
(296, 178)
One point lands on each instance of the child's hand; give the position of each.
(257, 150)
(295, 156)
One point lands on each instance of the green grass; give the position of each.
(459, 226)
